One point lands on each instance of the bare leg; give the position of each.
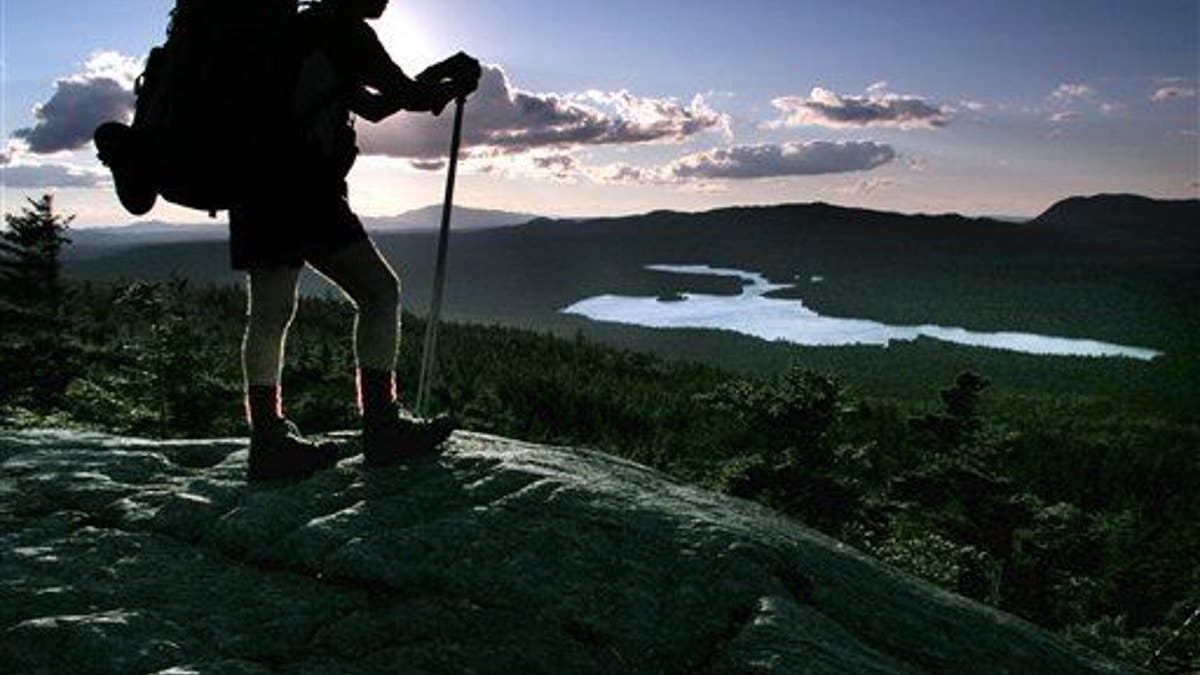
(369, 282)
(277, 450)
(272, 304)
(366, 278)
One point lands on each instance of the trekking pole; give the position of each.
(428, 359)
(1173, 637)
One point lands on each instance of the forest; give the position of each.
(1080, 513)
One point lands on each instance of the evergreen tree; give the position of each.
(35, 349)
(30, 275)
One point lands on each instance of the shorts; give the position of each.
(286, 226)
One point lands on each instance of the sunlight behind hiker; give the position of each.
(284, 183)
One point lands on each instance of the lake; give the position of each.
(750, 313)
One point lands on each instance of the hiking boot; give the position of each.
(279, 451)
(117, 148)
(395, 435)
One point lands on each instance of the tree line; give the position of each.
(1071, 513)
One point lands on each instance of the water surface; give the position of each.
(750, 313)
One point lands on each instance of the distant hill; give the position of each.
(1123, 221)
(430, 218)
(93, 241)
(1053, 276)
(150, 231)
(1107, 209)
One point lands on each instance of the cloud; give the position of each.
(115, 66)
(878, 108)
(1072, 91)
(31, 176)
(866, 186)
(555, 166)
(503, 119)
(917, 162)
(559, 166)
(428, 164)
(1172, 93)
(81, 102)
(1065, 117)
(748, 162)
(1112, 107)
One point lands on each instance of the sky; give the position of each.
(625, 106)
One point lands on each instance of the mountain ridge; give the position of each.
(1110, 206)
(1102, 209)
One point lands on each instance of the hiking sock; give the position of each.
(376, 392)
(264, 405)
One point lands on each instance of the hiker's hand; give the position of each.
(441, 95)
(460, 68)
(466, 85)
(429, 97)
(459, 75)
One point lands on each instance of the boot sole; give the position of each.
(135, 189)
(255, 474)
(431, 450)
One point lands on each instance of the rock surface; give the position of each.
(128, 556)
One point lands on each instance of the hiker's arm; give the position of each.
(376, 105)
(384, 89)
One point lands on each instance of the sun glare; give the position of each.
(404, 38)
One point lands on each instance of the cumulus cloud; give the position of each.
(507, 120)
(81, 102)
(878, 108)
(1064, 117)
(30, 176)
(1071, 91)
(1172, 93)
(787, 159)
(747, 162)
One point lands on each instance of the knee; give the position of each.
(383, 296)
(271, 316)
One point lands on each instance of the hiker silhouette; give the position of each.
(325, 66)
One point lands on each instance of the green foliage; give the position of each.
(1079, 518)
(30, 246)
(781, 432)
(169, 363)
(34, 351)
(960, 421)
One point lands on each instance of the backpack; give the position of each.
(214, 102)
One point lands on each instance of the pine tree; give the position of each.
(34, 346)
(30, 272)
